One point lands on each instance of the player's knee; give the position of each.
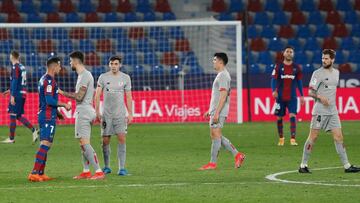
(122, 139)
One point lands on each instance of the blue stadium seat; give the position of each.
(98, 33)
(39, 33)
(163, 45)
(33, 18)
(175, 69)
(98, 70)
(20, 33)
(27, 46)
(86, 45)
(130, 17)
(169, 16)
(351, 17)
(316, 57)
(196, 70)
(225, 16)
(304, 31)
(265, 58)
(311, 44)
(307, 5)
(322, 31)
(27, 6)
(46, 6)
(272, 5)
(280, 18)
(347, 43)
(105, 57)
(269, 68)
(343, 5)
(268, 32)
(300, 57)
(252, 31)
(157, 33)
(143, 6)
(315, 18)
(111, 17)
(236, 6)
(65, 46)
(176, 33)
(130, 58)
(150, 58)
(33, 59)
(255, 69)
(118, 33)
(138, 70)
(189, 59)
(261, 18)
(149, 16)
(157, 70)
(294, 42)
(355, 30)
(143, 45)
(38, 71)
(307, 68)
(85, 6)
(124, 45)
(60, 33)
(72, 18)
(275, 44)
(6, 46)
(354, 57)
(339, 57)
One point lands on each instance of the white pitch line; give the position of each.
(273, 177)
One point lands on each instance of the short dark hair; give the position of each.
(113, 58)
(222, 56)
(289, 47)
(329, 52)
(78, 55)
(15, 54)
(52, 60)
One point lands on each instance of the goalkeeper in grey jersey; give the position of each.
(115, 114)
(325, 116)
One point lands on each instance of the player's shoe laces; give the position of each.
(45, 177)
(8, 141)
(35, 178)
(123, 172)
(352, 169)
(106, 170)
(239, 159)
(281, 142)
(83, 175)
(209, 166)
(304, 170)
(98, 176)
(293, 142)
(35, 135)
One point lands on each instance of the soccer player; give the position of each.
(218, 111)
(325, 116)
(17, 98)
(84, 115)
(113, 84)
(286, 76)
(48, 98)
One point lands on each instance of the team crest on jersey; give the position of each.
(121, 84)
(314, 81)
(49, 88)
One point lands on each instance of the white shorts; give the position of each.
(113, 126)
(219, 124)
(325, 122)
(83, 123)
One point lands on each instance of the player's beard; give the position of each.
(73, 68)
(328, 66)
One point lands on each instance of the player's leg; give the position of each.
(12, 125)
(215, 134)
(292, 107)
(120, 128)
(106, 132)
(279, 113)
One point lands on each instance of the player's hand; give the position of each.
(60, 92)
(324, 100)
(98, 116)
(302, 100)
(215, 118)
(206, 115)
(68, 106)
(129, 119)
(60, 115)
(275, 94)
(6, 92)
(12, 100)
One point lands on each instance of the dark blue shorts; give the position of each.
(281, 106)
(47, 130)
(18, 108)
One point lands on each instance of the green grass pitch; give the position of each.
(163, 162)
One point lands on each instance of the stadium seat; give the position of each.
(265, 58)
(252, 32)
(330, 43)
(20, 33)
(98, 33)
(269, 68)
(103, 45)
(169, 16)
(78, 33)
(60, 33)
(136, 32)
(351, 17)
(39, 33)
(311, 44)
(182, 45)
(307, 68)
(4, 35)
(124, 6)
(316, 57)
(162, 6)
(72, 17)
(218, 6)
(340, 30)
(300, 57)
(225, 16)
(295, 43)
(143, 45)
(85, 6)
(357, 5)
(255, 69)
(45, 46)
(307, 5)
(157, 33)
(272, 5)
(257, 44)
(189, 59)
(118, 33)
(176, 33)
(92, 59)
(33, 18)
(340, 57)
(104, 6)
(280, 18)
(325, 5)
(124, 45)
(157, 70)
(169, 58)
(65, 46)
(241, 17)
(33, 60)
(150, 58)
(275, 44)
(261, 18)
(175, 69)
(354, 57)
(66, 6)
(4, 73)
(138, 70)
(304, 31)
(91, 17)
(333, 17)
(163, 45)
(46, 6)
(236, 6)
(322, 31)
(14, 17)
(27, 6)
(254, 6)
(8, 6)
(111, 17)
(343, 5)
(297, 18)
(286, 31)
(279, 57)
(347, 43)
(130, 58)
(143, 6)
(86, 45)
(53, 18)
(268, 32)
(6, 46)
(149, 16)
(196, 70)
(290, 6)
(315, 18)
(355, 31)
(345, 68)
(130, 17)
